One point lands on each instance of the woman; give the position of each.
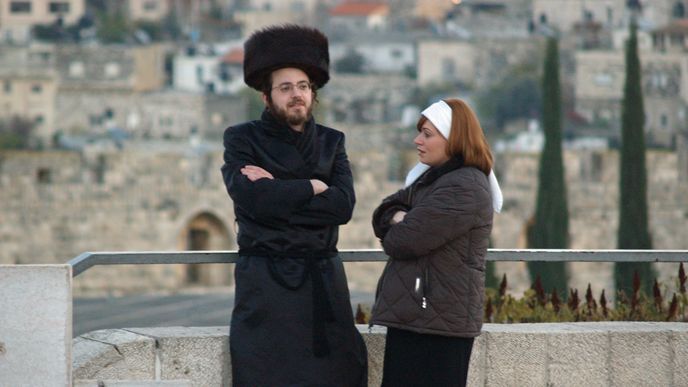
(436, 231)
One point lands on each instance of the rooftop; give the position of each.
(359, 9)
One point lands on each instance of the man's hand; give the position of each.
(318, 186)
(254, 173)
(398, 217)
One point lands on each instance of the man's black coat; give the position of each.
(282, 216)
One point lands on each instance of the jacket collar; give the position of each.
(300, 151)
(433, 174)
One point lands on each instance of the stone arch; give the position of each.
(206, 231)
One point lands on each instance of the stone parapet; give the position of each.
(562, 354)
(35, 325)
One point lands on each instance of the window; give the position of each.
(199, 74)
(396, 53)
(596, 168)
(112, 70)
(603, 79)
(216, 119)
(43, 176)
(679, 10)
(36, 89)
(39, 120)
(7, 86)
(58, 7)
(76, 69)
(664, 121)
(448, 68)
(543, 18)
(20, 7)
(150, 6)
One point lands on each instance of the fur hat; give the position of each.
(289, 45)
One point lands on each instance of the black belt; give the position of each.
(322, 306)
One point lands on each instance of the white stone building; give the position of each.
(381, 53)
(213, 68)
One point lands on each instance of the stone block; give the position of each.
(577, 358)
(476, 367)
(35, 325)
(115, 354)
(679, 345)
(200, 355)
(91, 357)
(375, 344)
(515, 356)
(640, 356)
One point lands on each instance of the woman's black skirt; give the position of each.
(415, 359)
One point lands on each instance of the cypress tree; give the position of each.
(633, 230)
(550, 227)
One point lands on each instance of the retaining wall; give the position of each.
(573, 354)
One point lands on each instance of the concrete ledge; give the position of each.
(200, 355)
(132, 383)
(573, 354)
(35, 325)
(114, 354)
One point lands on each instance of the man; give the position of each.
(292, 187)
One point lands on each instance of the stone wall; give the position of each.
(55, 205)
(161, 196)
(574, 354)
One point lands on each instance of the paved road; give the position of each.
(211, 309)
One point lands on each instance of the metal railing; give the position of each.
(89, 259)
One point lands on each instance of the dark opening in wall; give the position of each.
(44, 176)
(199, 239)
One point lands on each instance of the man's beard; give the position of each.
(294, 118)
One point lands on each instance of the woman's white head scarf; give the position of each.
(440, 114)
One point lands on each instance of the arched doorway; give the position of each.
(206, 231)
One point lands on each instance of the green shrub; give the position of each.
(537, 306)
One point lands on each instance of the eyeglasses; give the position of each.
(288, 88)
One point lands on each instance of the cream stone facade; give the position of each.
(28, 87)
(262, 13)
(30, 95)
(472, 62)
(109, 67)
(154, 115)
(599, 82)
(613, 14)
(565, 13)
(150, 10)
(442, 60)
(432, 9)
(17, 17)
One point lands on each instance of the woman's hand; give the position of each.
(318, 186)
(398, 217)
(254, 173)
